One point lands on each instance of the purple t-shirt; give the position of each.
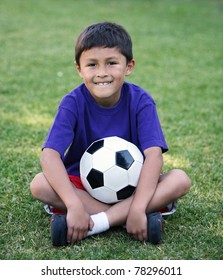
(81, 121)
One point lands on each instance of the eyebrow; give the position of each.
(107, 58)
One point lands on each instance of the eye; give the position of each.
(112, 62)
(91, 65)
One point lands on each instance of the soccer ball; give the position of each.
(110, 169)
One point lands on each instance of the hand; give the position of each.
(78, 223)
(137, 224)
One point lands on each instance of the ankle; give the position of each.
(101, 223)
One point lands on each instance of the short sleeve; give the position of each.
(61, 133)
(150, 132)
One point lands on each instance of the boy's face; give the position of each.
(103, 71)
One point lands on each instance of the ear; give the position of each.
(78, 69)
(130, 67)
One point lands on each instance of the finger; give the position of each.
(69, 234)
(145, 237)
(140, 237)
(135, 236)
(91, 224)
(82, 234)
(74, 237)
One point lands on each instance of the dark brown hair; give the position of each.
(107, 35)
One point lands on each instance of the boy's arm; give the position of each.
(136, 221)
(77, 218)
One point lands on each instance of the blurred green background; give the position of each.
(177, 46)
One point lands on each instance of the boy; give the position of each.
(105, 105)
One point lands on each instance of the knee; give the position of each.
(36, 186)
(183, 181)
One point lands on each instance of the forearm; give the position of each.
(56, 174)
(148, 178)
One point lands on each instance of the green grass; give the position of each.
(178, 52)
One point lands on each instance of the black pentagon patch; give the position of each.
(125, 192)
(95, 146)
(95, 179)
(124, 159)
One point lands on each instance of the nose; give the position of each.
(101, 73)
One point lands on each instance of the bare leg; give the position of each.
(171, 186)
(41, 190)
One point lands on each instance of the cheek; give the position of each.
(84, 75)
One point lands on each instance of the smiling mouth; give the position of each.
(103, 84)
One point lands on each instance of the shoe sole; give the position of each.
(154, 227)
(58, 225)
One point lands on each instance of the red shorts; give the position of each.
(77, 182)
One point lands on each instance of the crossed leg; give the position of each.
(171, 186)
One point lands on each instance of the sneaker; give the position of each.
(170, 209)
(52, 210)
(154, 227)
(58, 230)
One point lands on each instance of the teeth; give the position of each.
(102, 84)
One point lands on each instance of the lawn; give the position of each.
(179, 60)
